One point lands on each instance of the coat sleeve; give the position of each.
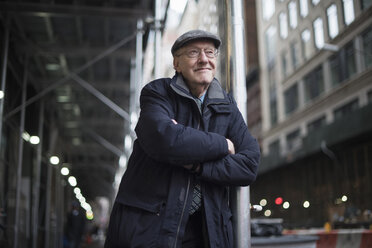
(239, 169)
(165, 141)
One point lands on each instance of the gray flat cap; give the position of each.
(195, 35)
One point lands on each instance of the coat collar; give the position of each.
(215, 93)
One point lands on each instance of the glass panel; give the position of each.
(367, 47)
(273, 107)
(320, 122)
(294, 54)
(304, 9)
(348, 11)
(283, 26)
(293, 139)
(268, 9)
(306, 44)
(291, 99)
(346, 109)
(366, 3)
(369, 96)
(315, 2)
(314, 84)
(270, 41)
(272, 93)
(318, 33)
(334, 62)
(332, 21)
(292, 9)
(350, 60)
(284, 63)
(274, 148)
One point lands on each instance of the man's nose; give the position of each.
(202, 56)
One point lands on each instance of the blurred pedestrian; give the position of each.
(192, 144)
(75, 226)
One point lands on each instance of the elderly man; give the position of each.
(192, 145)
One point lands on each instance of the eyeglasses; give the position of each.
(195, 53)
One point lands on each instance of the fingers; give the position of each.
(230, 146)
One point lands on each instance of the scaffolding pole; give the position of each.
(3, 75)
(157, 39)
(20, 156)
(36, 186)
(139, 57)
(236, 63)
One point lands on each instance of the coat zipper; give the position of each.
(186, 198)
(183, 211)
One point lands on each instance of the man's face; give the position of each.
(196, 62)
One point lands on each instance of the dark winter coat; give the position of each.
(157, 190)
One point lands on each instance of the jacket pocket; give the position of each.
(141, 224)
(152, 207)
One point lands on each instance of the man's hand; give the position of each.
(192, 167)
(230, 146)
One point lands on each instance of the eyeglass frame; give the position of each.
(199, 50)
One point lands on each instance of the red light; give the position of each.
(278, 201)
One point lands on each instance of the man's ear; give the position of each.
(176, 64)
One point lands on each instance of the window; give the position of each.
(306, 43)
(366, 3)
(293, 140)
(291, 99)
(274, 148)
(318, 33)
(268, 9)
(292, 10)
(284, 63)
(369, 97)
(304, 9)
(315, 2)
(273, 107)
(283, 25)
(346, 109)
(335, 64)
(320, 122)
(332, 21)
(314, 84)
(367, 47)
(350, 60)
(270, 42)
(272, 94)
(343, 64)
(348, 11)
(294, 54)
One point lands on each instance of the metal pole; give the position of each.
(36, 188)
(139, 56)
(236, 45)
(157, 39)
(20, 156)
(52, 139)
(100, 96)
(3, 75)
(47, 207)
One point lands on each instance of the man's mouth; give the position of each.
(202, 69)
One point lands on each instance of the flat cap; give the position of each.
(195, 35)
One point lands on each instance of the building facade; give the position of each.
(316, 94)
